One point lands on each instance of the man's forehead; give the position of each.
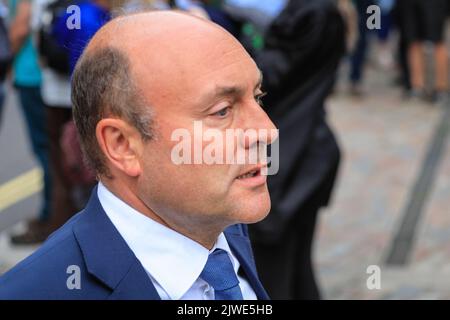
(172, 52)
(165, 39)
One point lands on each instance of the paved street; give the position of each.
(15, 159)
(385, 140)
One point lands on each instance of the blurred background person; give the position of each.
(422, 22)
(350, 16)
(73, 178)
(358, 57)
(211, 10)
(55, 92)
(27, 80)
(46, 21)
(5, 54)
(215, 12)
(259, 13)
(303, 48)
(385, 57)
(402, 48)
(254, 17)
(94, 14)
(359, 52)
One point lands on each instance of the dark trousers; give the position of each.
(358, 57)
(2, 100)
(404, 63)
(62, 205)
(402, 45)
(35, 118)
(286, 268)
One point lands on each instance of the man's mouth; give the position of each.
(250, 174)
(252, 177)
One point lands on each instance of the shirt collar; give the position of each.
(172, 259)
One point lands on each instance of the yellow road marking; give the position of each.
(20, 188)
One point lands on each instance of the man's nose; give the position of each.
(257, 119)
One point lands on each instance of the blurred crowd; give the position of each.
(416, 25)
(297, 44)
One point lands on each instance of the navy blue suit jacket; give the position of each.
(108, 268)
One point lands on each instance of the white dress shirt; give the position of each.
(172, 260)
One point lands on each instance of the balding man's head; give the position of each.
(108, 79)
(145, 77)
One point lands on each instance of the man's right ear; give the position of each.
(121, 144)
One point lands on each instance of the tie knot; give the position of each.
(219, 271)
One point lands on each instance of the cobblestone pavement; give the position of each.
(384, 138)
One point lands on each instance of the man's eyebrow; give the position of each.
(237, 91)
(229, 91)
(226, 91)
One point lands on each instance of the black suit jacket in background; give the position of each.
(302, 52)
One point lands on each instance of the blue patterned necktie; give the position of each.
(220, 275)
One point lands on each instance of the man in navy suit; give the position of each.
(155, 229)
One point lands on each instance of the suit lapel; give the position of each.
(136, 285)
(107, 256)
(240, 245)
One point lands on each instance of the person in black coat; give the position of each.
(303, 49)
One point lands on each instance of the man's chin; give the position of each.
(256, 209)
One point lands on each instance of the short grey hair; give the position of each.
(102, 86)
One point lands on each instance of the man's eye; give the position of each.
(259, 97)
(222, 113)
